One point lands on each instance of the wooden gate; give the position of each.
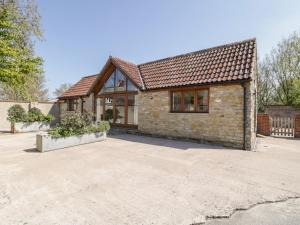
(282, 126)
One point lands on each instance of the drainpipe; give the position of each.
(81, 98)
(244, 116)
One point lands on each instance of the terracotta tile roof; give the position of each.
(81, 88)
(129, 69)
(223, 63)
(231, 62)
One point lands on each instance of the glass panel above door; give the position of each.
(120, 81)
(117, 82)
(130, 86)
(109, 85)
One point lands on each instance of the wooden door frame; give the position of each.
(114, 95)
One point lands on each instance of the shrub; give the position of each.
(16, 113)
(77, 124)
(35, 114)
(75, 121)
(48, 118)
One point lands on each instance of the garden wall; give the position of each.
(46, 108)
(282, 110)
(263, 124)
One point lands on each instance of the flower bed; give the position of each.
(45, 142)
(74, 129)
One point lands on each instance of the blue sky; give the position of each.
(80, 35)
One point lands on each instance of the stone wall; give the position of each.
(87, 106)
(45, 107)
(223, 124)
(251, 114)
(282, 110)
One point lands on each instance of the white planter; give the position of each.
(45, 142)
(30, 126)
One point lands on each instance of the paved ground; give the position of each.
(141, 180)
(283, 213)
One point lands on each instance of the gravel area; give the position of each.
(136, 180)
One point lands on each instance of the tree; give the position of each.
(265, 85)
(61, 89)
(279, 74)
(286, 68)
(33, 89)
(20, 71)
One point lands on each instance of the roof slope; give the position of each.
(130, 69)
(223, 63)
(81, 88)
(231, 62)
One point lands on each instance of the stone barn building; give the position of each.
(207, 95)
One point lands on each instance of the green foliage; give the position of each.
(48, 118)
(77, 124)
(108, 114)
(21, 73)
(16, 113)
(16, 60)
(279, 74)
(35, 114)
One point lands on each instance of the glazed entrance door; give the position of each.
(115, 109)
(119, 110)
(109, 109)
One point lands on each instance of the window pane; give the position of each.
(176, 101)
(202, 101)
(130, 86)
(71, 104)
(120, 109)
(108, 114)
(99, 115)
(132, 109)
(109, 84)
(120, 81)
(189, 104)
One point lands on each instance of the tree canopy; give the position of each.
(20, 70)
(61, 89)
(279, 74)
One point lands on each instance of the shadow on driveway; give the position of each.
(166, 142)
(31, 150)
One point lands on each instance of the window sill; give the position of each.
(189, 112)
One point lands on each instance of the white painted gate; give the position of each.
(282, 126)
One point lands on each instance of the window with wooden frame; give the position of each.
(190, 100)
(71, 104)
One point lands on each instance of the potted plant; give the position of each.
(73, 129)
(34, 120)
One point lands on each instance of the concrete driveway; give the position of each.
(132, 180)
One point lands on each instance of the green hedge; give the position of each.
(17, 113)
(77, 124)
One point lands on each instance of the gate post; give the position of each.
(297, 126)
(263, 124)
